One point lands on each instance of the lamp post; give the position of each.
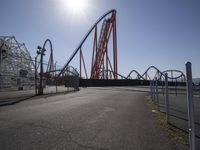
(41, 52)
(36, 72)
(55, 78)
(1, 61)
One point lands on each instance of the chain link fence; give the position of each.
(25, 84)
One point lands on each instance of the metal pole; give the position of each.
(151, 90)
(166, 97)
(157, 100)
(1, 77)
(150, 86)
(199, 89)
(190, 105)
(163, 88)
(36, 75)
(56, 80)
(176, 87)
(154, 91)
(41, 73)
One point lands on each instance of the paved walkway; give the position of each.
(8, 97)
(91, 119)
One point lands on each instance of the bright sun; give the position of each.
(76, 6)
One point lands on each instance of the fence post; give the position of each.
(150, 83)
(199, 89)
(36, 75)
(190, 105)
(56, 78)
(163, 88)
(176, 87)
(157, 100)
(153, 83)
(166, 97)
(152, 89)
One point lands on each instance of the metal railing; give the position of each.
(181, 104)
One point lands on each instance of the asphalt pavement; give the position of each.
(10, 97)
(179, 113)
(109, 118)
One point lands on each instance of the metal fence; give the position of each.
(21, 86)
(181, 104)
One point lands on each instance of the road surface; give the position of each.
(111, 118)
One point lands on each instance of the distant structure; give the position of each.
(103, 62)
(16, 65)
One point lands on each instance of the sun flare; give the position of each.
(76, 6)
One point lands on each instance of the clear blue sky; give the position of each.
(163, 33)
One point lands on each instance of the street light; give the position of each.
(40, 52)
(55, 77)
(36, 72)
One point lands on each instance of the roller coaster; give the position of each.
(104, 49)
(16, 65)
(101, 60)
(172, 75)
(102, 65)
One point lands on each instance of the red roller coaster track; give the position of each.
(101, 60)
(104, 66)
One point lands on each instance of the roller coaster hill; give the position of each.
(103, 68)
(19, 69)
